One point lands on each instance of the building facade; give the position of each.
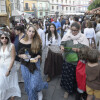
(21, 5)
(5, 12)
(43, 8)
(30, 6)
(2, 6)
(65, 7)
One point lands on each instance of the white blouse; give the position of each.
(90, 33)
(53, 41)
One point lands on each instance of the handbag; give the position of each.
(54, 48)
(71, 57)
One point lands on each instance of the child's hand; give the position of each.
(76, 49)
(62, 48)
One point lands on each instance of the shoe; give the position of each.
(65, 95)
(40, 95)
(48, 79)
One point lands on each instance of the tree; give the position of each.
(94, 5)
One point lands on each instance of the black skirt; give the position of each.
(68, 80)
(53, 64)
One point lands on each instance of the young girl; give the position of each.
(93, 75)
(80, 73)
(90, 34)
(30, 47)
(53, 62)
(66, 26)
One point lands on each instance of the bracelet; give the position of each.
(9, 71)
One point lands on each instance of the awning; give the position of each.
(16, 13)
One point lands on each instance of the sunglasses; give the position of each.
(4, 38)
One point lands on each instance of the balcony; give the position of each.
(26, 9)
(30, 9)
(43, 9)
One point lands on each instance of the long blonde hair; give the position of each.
(36, 44)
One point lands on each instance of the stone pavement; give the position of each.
(54, 91)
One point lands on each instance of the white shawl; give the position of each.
(79, 38)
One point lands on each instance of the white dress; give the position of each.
(8, 85)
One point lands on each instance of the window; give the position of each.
(73, 2)
(52, 7)
(74, 8)
(57, 0)
(46, 13)
(70, 8)
(11, 0)
(0, 6)
(52, 0)
(41, 13)
(33, 5)
(62, 1)
(62, 8)
(66, 8)
(66, 1)
(70, 2)
(57, 7)
(26, 5)
(40, 5)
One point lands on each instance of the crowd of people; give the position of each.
(72, 50)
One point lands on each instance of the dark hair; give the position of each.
(20, 28)
(68, 22)
(76, 18)
(35, 22)
(98, 20)
(55, 32)
(82, 54)
(75, 24)
(93, 55)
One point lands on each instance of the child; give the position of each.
(89, 32)
(80, 73)
(93, 75)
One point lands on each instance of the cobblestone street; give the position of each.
(54, 91)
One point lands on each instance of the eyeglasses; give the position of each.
(74, 30)
(4, 38)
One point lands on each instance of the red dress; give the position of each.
(81, 75)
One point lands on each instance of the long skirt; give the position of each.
(53, 64)
(68, 80)
(33, 82)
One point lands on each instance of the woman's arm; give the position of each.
(12, 59)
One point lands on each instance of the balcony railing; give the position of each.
(29, 9)
(26, 9)
(43, 9)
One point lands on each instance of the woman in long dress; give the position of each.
(73, 39)
(30, 48)
(54, 60)
(8, 75)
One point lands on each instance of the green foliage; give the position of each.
(94, 5)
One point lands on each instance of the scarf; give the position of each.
(79, 38)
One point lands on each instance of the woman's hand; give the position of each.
(62, 48)
(36, 58)
(23, 56)
(7, 73)
(76, 49)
